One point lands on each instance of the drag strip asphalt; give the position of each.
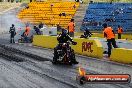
(19, 70)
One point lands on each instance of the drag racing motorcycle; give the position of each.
(65, 55)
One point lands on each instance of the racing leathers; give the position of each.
(64, 38)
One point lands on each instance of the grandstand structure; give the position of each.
(51, 13)
(112, 13)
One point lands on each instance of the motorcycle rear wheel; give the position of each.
(54, 61)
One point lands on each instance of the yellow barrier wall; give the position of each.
(45, 41)
(122, 55)
(87, 47)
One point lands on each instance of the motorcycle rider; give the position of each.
(12, 33)
(64, 38)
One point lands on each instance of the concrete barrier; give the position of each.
(121, 55)
(86, 47)
(45, 41)
(130, 41)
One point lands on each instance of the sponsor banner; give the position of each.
(107, 78)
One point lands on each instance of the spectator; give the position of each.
(58, 27)
(86, 34)
(41, 25)
(81, 1)
(71, 29)
(13, 33)
(26, 33)
(12, 1)
(27, 30)
(37, 30)
(51, 6)
(110, 36)
(27, 7)
(27, 24)
(63, 14)
(120, 30)
(91, 1)
(76, 0)
(22, 37)
(60, 14)
(74, 6)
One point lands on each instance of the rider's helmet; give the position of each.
(13, 25)
(64, 31)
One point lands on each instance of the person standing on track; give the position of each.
(64, 38)
(40, 25)
(110, 36)
(71, 28)
(120, 30)
(13, 33)
(37, 30)
(26, 33)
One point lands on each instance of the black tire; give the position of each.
(54, 60)
(70, 62)
(82, 80)
(55, 56)
(72, 57)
